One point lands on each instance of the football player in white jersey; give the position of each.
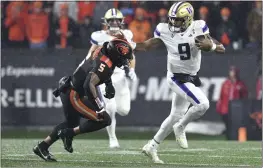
(114, 20)
(184, 39)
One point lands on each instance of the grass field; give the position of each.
(90, 152)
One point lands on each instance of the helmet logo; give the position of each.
(189, 10)
(122, 48)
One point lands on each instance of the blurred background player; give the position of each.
(81, 98)
(113, 20)
(184, 39)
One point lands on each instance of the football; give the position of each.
(202, 38)
(119, 35)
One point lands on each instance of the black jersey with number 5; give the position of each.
(98, 63)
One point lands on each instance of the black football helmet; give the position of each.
(120, 52)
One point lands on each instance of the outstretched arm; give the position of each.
(92, 48)
(149, 44)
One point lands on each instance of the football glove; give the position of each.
(110, 91)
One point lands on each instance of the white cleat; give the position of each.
(114, 143)
(151, 152)
(180, 136)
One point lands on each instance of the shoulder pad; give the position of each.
(201, 27)
(159, 29)
(129, 36)
(97, 38)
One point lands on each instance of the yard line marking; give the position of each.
(187, 150)
(32, 154)
(127, 152)
(116, 162)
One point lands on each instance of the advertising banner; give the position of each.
(28, 78)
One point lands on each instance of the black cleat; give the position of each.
(66, 139)
(44, 154)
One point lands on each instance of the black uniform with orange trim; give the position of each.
(77, 99)
(99, 64)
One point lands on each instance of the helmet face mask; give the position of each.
(113, 19)
(114, 24)
(176, 24)
(180, 16)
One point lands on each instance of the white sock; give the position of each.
(154, 144)
(111, 128)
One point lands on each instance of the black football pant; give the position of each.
(75, 108)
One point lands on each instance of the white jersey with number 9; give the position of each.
(183, 55)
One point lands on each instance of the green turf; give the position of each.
(95, 153)
(102, 134)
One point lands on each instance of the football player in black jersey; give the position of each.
(81, 97)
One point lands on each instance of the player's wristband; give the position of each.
(99, 103)
(213, 47)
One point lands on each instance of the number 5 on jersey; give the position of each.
(101, 68)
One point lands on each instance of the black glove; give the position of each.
(110, 91)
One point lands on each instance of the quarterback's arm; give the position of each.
(149, 44)
(92, 48)
(217, 46)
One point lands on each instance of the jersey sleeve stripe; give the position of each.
(106, 60)
(157, 32)
(205, 28)
(186, 90)
(93, 41)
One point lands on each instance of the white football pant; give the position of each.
(121, 103)
(184, 94)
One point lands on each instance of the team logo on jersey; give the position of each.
(122, 48)
(172, 35)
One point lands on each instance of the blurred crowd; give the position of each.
(37, 24)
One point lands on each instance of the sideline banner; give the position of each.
(28, 78)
